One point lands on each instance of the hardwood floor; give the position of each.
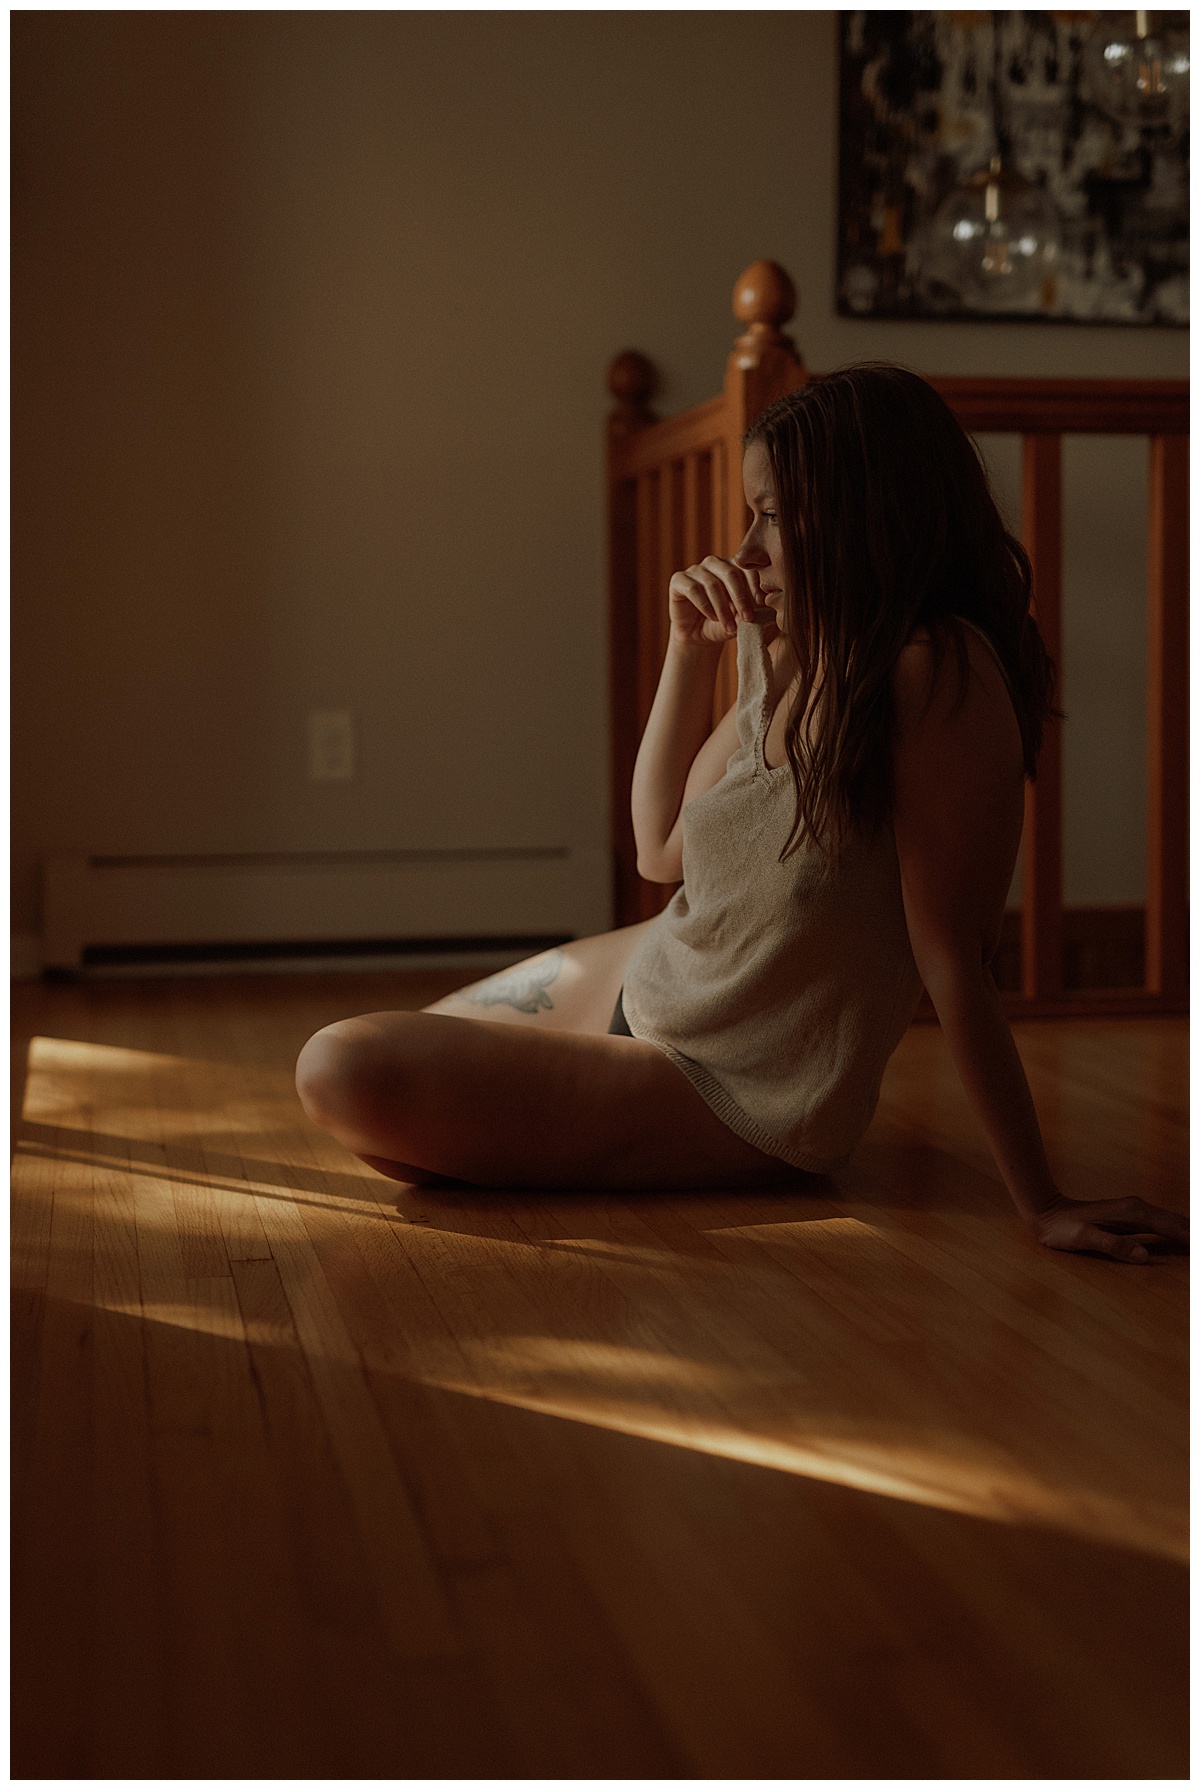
(317, 1476)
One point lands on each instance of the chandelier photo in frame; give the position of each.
(1015, 166)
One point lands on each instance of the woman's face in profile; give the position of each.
(761, 551)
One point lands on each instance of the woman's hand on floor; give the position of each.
(1107, 1227)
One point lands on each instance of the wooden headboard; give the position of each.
(675, 494)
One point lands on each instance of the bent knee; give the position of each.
(345, 1073)
(324, 1071)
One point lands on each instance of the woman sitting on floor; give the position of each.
(846, 833)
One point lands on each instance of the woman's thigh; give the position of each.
(572, 988)
(507, 1106)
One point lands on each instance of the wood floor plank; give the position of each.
(237, 1225)
(30, 1209)
(350, 1721)
(558, 1671)
(420, 1624)
(331, 1572)
(53, 1564)
(129, 1613)
(208, 1718)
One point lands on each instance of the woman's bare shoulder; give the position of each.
(916, 679)
(923, 670)
(927, 689)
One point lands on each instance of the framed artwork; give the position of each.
(1016, 166)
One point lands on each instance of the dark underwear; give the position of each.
(618, 1023)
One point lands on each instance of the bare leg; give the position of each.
(501, 1105)
(572, 988)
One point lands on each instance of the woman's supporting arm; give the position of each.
(968, 1007)
(957, 812)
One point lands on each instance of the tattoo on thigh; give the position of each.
(526, 988)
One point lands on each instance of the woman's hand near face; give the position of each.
(681, 754)
(709, 600)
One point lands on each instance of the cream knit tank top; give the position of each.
(779, 990)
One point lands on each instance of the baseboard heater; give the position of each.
(111, 910)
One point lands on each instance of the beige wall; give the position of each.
(312, 313)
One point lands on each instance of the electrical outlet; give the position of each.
(330, 745)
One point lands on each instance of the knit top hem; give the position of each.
(730, 1113)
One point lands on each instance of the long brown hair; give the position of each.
(887, 525)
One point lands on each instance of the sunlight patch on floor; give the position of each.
(243, 1186)
(131, 1090)
(659, 1397)
(921, 1471)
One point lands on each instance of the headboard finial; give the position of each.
(764, 295)
(631, 379)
